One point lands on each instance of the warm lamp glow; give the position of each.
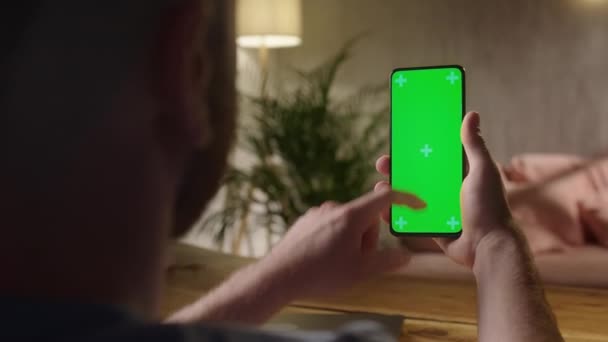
(269, 23)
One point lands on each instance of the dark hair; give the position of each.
(15, 17)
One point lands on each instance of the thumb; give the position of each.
(475, 148)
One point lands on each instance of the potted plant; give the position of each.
(307, 146)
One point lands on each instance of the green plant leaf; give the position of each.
(306, 147)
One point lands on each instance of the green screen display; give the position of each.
(426, 152)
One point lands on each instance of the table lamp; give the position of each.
(268, 24)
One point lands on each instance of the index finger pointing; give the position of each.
(368, 207)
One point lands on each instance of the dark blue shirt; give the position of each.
(30, 320)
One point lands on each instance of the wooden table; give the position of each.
(434, 310)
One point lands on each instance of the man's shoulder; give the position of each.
(59, 321)
(364, 331)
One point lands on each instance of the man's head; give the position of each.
(116, 120)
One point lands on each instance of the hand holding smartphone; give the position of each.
(427, 157)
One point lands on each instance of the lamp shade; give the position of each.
(269, 23)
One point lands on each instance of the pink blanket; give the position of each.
(559, 201)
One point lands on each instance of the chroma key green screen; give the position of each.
(427, 106)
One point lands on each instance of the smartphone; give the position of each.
(427, 156)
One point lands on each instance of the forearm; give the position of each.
(250, 296)
(511, 299)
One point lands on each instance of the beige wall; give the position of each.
(537, 69)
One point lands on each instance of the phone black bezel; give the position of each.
(464, 160)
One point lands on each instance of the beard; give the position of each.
(207, 165)
(204, 172)
(200, 184)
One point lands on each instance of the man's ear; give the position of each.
(181, 74)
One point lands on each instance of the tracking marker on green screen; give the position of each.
(427, 106)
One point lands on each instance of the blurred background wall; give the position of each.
(537, 69)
